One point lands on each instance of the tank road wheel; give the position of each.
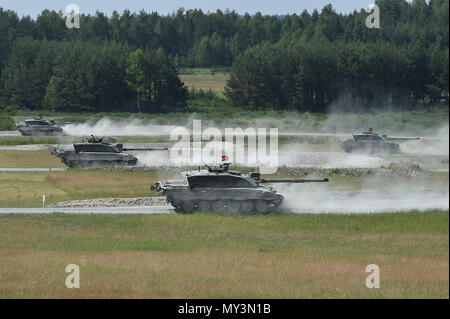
(203, 206)
(177, 207)
(233, 207)
(246, 207)
(219, 206)
(187, 206)
(262, 206)
(78, 165)
(68, 163)
(174, 203)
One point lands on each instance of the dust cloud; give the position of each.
(300, 199)
(323, 152)
(435, 144)
(108, 127)
(296, 157)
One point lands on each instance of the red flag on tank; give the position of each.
(224, 158)
(370, 129)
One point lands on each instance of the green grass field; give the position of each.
(217, 256)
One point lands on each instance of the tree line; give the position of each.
(344, 65)
(298, 75)
(195, 38)
(304, 61)
(96, 76)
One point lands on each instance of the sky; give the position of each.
(33, 8)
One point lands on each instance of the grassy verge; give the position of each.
(25, 159)
(25, 189)
(215, 256)
(28, 140)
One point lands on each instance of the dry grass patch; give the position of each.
(26, 159)
(215, 256)
(210, 274)
(216, 82)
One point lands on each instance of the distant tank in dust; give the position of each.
(222, 190)
(39, 127)
(95, 153)
(370, 142)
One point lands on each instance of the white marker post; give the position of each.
(43, 200)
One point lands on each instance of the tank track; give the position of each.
(43, 134)
(237, 207)
(81, 164)
(352, 147)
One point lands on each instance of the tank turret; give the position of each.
(223, 190)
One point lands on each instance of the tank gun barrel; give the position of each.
(145, 149)
(402, 138)
(325, 180)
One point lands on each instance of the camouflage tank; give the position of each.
(39, 127)
(222, 190)
(95, 153)
(373, 143)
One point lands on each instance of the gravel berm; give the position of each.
(115, 202)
